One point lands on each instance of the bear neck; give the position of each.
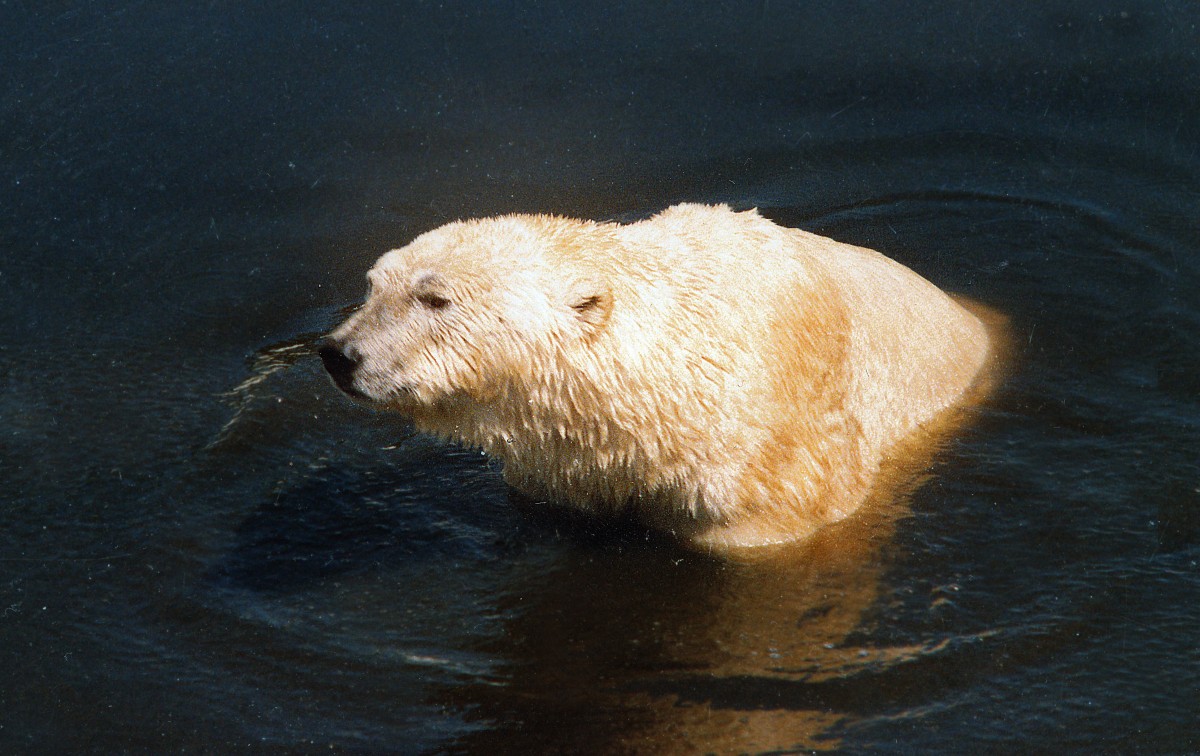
(583, 434)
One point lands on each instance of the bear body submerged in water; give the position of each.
(728, 381)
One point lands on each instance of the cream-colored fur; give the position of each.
(733, 382)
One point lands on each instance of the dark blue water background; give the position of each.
(204, 546)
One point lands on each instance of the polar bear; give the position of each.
(726, 380)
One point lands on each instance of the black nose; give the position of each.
(341, 366)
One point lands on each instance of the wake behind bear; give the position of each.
(729, 381)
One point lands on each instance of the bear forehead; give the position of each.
(478, 251)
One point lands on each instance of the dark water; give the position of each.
(204, 547)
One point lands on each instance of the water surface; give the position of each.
(204, 546)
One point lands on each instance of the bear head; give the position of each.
(469, 313)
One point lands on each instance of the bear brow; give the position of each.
(429, 282)
(381, 277)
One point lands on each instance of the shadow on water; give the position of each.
(345, 522)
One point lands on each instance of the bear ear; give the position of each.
(592, 307)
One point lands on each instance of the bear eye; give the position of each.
(433, 301)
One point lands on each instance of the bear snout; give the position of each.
(340, 365)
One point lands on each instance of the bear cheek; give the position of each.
(476, 376)
(484, 362)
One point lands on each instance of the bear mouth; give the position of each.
(349, 390)
(394, 397)
(401, 397)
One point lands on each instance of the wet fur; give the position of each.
(732, 382)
